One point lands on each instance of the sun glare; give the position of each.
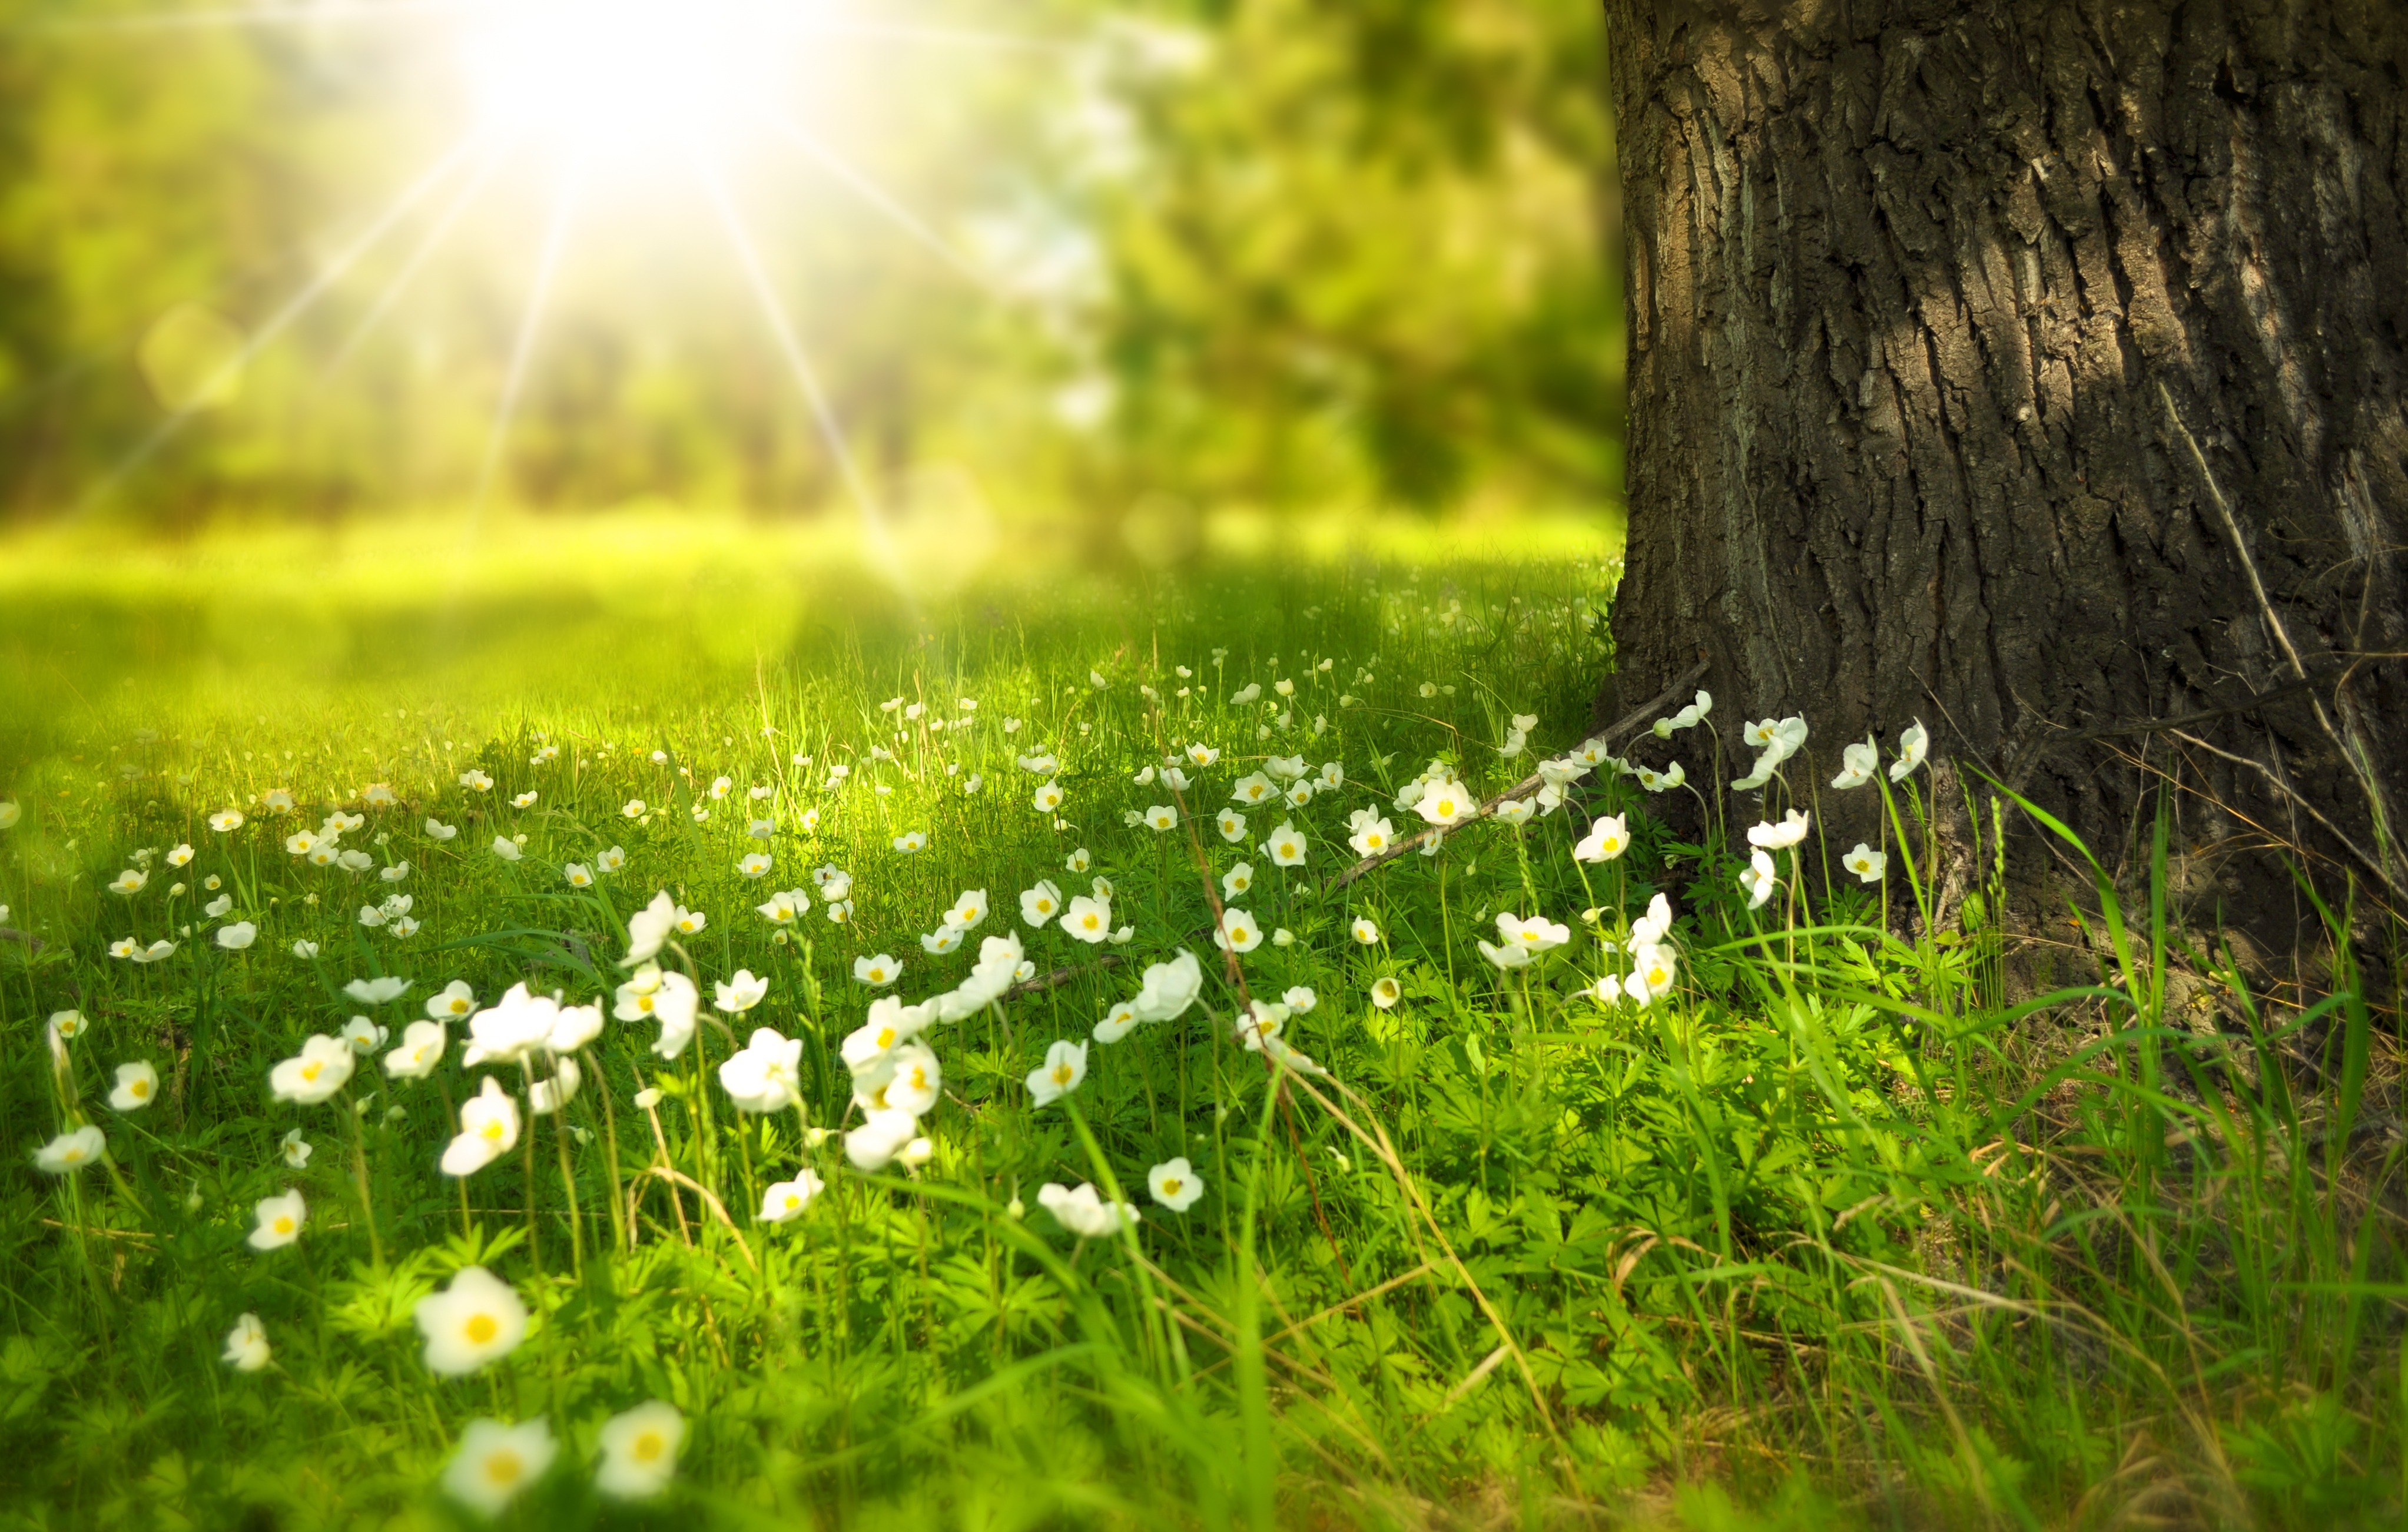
(617, 82)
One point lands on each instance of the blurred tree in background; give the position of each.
(1272, 250)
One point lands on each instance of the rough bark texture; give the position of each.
(2038, 368)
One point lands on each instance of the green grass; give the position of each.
(1845, 1231)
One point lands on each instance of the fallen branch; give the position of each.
(1627, 724)
(1060, 977)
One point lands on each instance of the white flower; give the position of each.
(180, 858)
(782, 908)
(639, 1446)
(66, 1024)
(1652, 974)
(755, 866)
(158, 951)
(1047, 798)
(1516, 811)
(1065, 1067)
(610, 861)
(877, 971)
(1081, 1210)
(495, 1462)
(1287, 848)
(915, 1081)
(1175, 1184)
(1161, 816)
(786, 1199)
(1859, 763)
(766, 1076)
(1202, 755)
(1607, 840)
(1912, 746)
(524, 800)
(881, 1137)
(1253, 789)
(1661, 782)
(223, 822)
(70, 1151)
(512, 1028)
(1089, 919)
(1300, 999)
(380, 796)
(1649, 930)
(1282, 937)
(1042, 765)
(740, 993)
(1537, 933)
(1237, 879)
(476, 781)
(421, 1050)
(305, 950)
(363, 1034)
(1237, 932)
(648, 928)
(237, 936)
(137, 1086)
(1372, 836)
(1781, 836)
(438, 830)
(574, 1027)
(1039, 904)
(1078, 861)
(507, 848)
(545, 1096)
(1117, 1022)
(1512, 954)
(1231, 824)
(316, 1073)
(914, 840)
(296, 1149)
(489, 1129)
(1168, 988)
(280, 1221)
(1445, 802)
(1095, 679)
(1386, 993)
(1866, 863)
(968, 910)
(245, 1345)
(1252, 691)
(1758, 881)
(1365, 930)
(943, 939)
(477, 1319)
(395, 873)
(129, 883)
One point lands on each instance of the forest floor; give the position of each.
(907, 1172)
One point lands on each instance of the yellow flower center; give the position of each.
(1170, 1185)
(1061, 1076)
(649, 1447)
(493, 1130)
(919, 1078)
(140, 1089)
(311, 1070)
(481, 1330)
(284, 1225)
(503, 1468)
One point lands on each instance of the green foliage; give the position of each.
(1834, 1233)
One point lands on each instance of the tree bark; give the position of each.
(2039, 370)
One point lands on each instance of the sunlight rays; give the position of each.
(547, 267)
(773, 314)
(581, 80)
(433, 240)
(868, 191)
(292, 310)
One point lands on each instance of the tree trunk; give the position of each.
(2039, 370)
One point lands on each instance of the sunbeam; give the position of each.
(439, 231)
(283, 318)
(547, 267)
(235, 18)
(870, 192)
(773, 313)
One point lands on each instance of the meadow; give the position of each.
(641, 1019)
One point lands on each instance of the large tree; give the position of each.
(2038, 368)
